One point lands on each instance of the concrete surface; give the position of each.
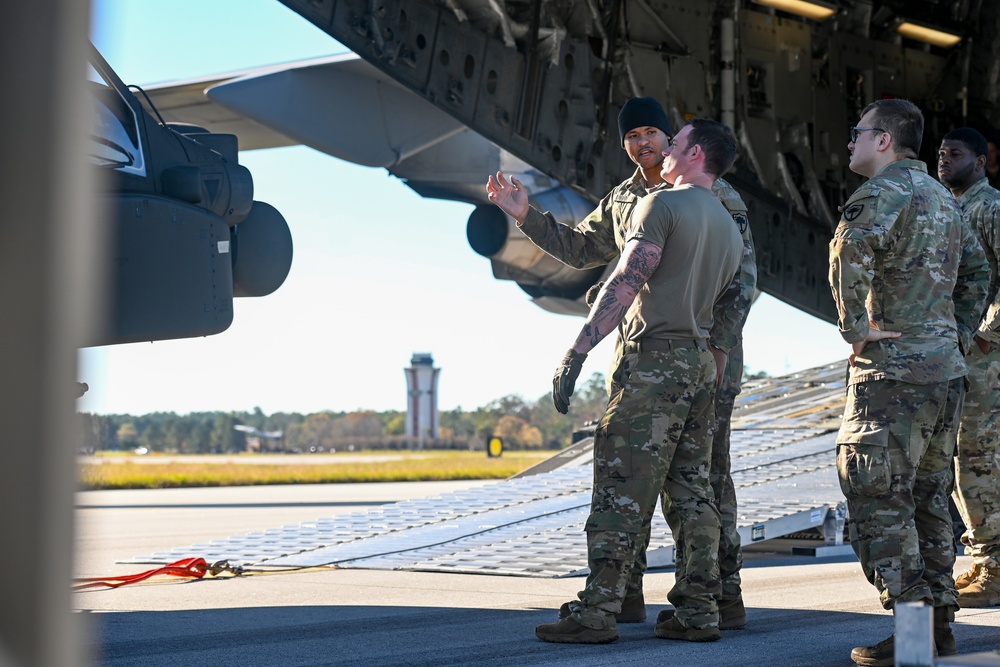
(803, 610)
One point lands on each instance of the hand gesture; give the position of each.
(510, 196)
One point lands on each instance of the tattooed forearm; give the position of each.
(605, 316)
(634, 268)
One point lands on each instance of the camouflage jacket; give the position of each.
(981, 209)
(600, 238)
(903, 259)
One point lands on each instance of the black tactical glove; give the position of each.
(590, 298)
(565, 379)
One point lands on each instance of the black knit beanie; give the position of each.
(642, 112)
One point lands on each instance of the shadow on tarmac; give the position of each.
(434, 636)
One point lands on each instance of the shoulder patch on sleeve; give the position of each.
(853, 211)
(859, 212)
(741, 222)
(861, 206)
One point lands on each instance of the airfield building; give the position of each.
(421, 398)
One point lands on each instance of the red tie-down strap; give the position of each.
(194, 568)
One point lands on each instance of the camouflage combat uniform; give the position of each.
(902, 258)
(598, 240)
(655, 435)
(727, 334)
(977, 479)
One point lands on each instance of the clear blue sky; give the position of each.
(378, 273)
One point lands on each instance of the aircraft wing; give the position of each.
(339, 105)
(187, 102)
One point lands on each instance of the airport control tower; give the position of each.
(421, 398)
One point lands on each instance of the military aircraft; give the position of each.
(456, 89)
(186, 235)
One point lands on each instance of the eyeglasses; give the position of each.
(856, 132)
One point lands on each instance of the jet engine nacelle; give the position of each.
(551, 284)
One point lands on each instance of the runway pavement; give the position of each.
(802, 610)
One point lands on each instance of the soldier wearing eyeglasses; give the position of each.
(962, 160)
(909, 280)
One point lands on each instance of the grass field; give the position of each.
(160, 472)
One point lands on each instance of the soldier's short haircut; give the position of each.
(903, 120)
(718, 143)
(971, 138)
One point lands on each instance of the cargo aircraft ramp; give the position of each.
(783, 467)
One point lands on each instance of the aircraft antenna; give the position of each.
(149, 103)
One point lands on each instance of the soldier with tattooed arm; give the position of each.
(680, 255)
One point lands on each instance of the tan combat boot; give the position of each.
(599, 630)
(672, 628)
(966, 578)
(984, 591)
(633, 609)
(732, 614)
(882, 654)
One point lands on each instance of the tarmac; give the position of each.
(802, 610)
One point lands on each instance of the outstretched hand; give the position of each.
(510, 196)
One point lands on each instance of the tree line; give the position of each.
(520, 423)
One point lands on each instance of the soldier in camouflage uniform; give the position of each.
(961, 167)
(909, 280)
(599, 240)
(681, 251)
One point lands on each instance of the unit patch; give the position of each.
(853, 211)
(741, 222)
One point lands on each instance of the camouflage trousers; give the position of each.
(894, 460)
(655, 436)
(977, 466)
(730, 549)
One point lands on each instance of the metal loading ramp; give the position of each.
(783, 465)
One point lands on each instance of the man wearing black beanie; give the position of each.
(598, 240)
(640, 112)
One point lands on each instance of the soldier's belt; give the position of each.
(663, 344)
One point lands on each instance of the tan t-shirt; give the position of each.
(702, 249)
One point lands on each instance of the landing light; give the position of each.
(929, 35)
(817, 11)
